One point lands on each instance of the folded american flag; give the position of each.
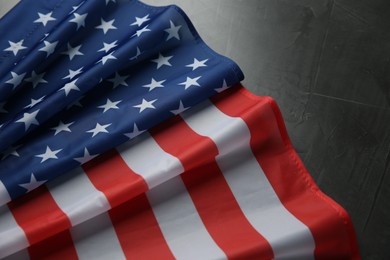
(182, 173)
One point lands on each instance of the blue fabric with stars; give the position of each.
(80, 77)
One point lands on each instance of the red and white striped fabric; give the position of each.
(219, 181)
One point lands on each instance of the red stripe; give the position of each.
(38, 215)
(59, 246)
(138, 230)
(209, 191)
(329, 223)
(111, 175)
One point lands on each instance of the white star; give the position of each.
(161, 61)
(11, 151)
(44, 37)
(29, 119)
(224, 87)
(145, 104)
(118, 80)
(180, 109)
(108, 46)
(73, 73)
(173, 31)
(135, 132)
(48, 154)
(34, 102)
(139, 21)
(49, 47)
(69, 86)
(76, 7)
(107, 1)
(105, 26)
(196, 64)
(190, 82)
(36, 78)
(141, 31)
(98, 129)
(2, 109)
(73, 51)
(15, 47)
(33, 184)
(110, 105)
(16, 79)
(79, 19)
(136, 55)
(62, 128)
(154, 84)
(107, 57)
(76, 103)
(86, 157)
(44, 18)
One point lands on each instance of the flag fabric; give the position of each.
(80, 77)
(122, 135)
(219, 181)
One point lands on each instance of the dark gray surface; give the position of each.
(327, 64)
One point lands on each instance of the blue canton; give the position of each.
(80, 77)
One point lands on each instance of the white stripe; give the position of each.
(21, 255)
(12, 237)
(4, 196)
(96, 239)
(77, 197)
(287, 236)
(180, 223)
(146, 158)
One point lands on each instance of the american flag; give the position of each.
(124, 136)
